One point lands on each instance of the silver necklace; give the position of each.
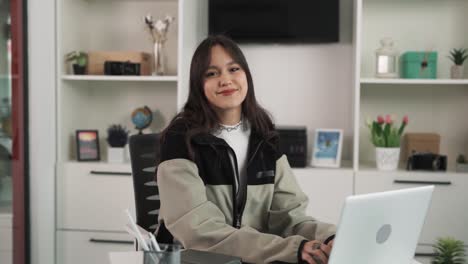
(222, 127)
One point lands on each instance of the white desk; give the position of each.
(136, 257)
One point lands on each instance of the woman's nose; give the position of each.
(224, 81)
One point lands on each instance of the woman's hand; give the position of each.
(315, 252)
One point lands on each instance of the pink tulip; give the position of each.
(388, 119)
(405, 119)
(380, 120)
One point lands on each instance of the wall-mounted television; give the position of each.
(275, 21)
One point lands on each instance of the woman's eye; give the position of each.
(234, 69)
(210, 74)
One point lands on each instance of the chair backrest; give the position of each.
(144, 155)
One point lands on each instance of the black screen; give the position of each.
(314, 21)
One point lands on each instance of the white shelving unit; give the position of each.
(433, 105)
(91, 25)
(90, 206)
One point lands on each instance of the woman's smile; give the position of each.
(228, 92)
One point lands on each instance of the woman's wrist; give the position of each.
(299, 251)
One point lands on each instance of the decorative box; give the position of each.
(96, 60)
(419, 65)
(421, 142)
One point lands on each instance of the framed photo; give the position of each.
(87, 145)
(327, 148)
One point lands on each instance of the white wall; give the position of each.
(42, 148)
(308, 84)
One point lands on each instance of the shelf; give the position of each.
(346, 166)
(103, 166)
(98, 163)
(414, 81)
(119, 78)
(102, 163)
(367, 168)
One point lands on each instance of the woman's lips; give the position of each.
(227, 92)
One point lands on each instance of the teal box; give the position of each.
(419, 65)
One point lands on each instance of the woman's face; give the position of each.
(225, 84)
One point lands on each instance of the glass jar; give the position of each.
(386, 60)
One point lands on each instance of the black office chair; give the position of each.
(144, 155)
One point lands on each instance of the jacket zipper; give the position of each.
(238, 220)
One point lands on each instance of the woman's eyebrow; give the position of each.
(217, 68)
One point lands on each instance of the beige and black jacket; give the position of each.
(201, 207)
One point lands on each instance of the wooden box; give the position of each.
(96, 60)
(421, 142)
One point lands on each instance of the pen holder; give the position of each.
(169, 254)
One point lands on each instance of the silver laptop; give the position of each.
(381, 228)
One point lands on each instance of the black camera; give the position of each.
(121, 68)
(427, 161)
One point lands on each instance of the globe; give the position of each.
(142, 118)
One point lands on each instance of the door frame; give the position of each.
(19, 131)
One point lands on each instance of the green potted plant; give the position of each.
(457, 56)
(462, 164)
(386, 137)
(79, 60)
(117, 138)
(449, 251)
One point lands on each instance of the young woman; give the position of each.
(223, 184)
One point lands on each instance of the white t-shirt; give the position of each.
(237, 137)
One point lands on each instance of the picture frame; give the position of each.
(87, 145)
(327, 148)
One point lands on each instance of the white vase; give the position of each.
(115, 155)
(456, 72)
(387, 158)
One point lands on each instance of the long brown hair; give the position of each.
(197, 112)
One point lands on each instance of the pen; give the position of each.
(137, 232)
(154, 242)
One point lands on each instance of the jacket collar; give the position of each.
(208, 139)
(255, 142)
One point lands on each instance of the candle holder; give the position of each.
(386, 63)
